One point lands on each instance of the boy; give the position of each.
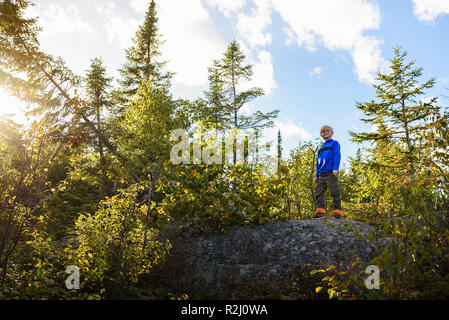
(327, 165)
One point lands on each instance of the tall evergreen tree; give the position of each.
(225, 102)
(142, 57)
(40, 79)
(399, 116)
(97, 85)
(27, 72)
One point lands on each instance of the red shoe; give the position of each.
(337, 213)
(320, 213)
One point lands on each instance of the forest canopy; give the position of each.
(90, 182)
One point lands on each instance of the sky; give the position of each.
(314, 59)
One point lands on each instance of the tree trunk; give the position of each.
(104, 178)
(407, 138)
(235, 114)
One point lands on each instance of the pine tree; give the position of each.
(225, 102)
(399, 117)
(142, 63)
(97, 84)
(45, 76)
(38, 78)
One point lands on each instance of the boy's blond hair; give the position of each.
(326, 127)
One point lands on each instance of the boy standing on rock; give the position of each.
(327, 165)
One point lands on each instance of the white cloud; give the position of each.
(122, 29)
(263, 75)
(367, 58)
(316, 72)
(227, 7)
(337, 25)
(191, 40)
(56, 20)
(429, 10)
(251, 27)
(289, 131)
(105, 8)
(191, 43)
(290, 36)
(119, 26)
(140, 6)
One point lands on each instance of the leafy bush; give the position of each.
(37, 271)
(118, 244)
(414, 264)
(212, 197)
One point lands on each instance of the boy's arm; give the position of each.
(337, 156)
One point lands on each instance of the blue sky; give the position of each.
(314, 59)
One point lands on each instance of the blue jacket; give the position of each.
(329, 157)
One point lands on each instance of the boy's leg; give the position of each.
(320, 200)
(335, 193)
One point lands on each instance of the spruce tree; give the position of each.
(27, 72)
(40, 79)
(97, 85)
(142, 57)
(225, 102)
(400, 118)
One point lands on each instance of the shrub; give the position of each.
(212, 197)
(117, 244)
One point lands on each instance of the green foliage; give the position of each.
(37, 271)
(211, 197)
(103, 179)
(83, 169)
(118, 243)
(147, 124)
(25, 69)
(97, 84)
(225, 102)
(399, 118)
(335, 283)
(399, 185)
(27, 156)
(403, 142)
(141, 58)
(413, 264)
(300, 172)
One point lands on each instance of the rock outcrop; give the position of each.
(214, 265)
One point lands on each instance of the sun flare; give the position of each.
(12, 106)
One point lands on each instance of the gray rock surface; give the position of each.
(213, 265)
